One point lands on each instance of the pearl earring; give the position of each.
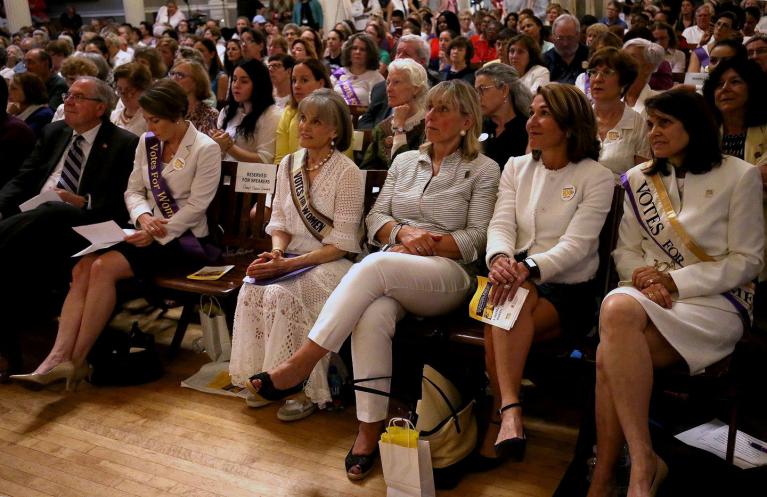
(463, 133)
(332, 143)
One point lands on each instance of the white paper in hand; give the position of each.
(101, 235)
(34, 202)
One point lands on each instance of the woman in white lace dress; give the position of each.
(272, 320)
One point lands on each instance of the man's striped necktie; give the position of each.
(73, 166)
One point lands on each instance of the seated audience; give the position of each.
(168, 15)
(131, 81)
(219, 81)
(533, 27)
(505, 103)
(701, 28)
(152, 59)
(38, 62)
(551, 252)
(232, 56)
(246, 124)
(28, 100)
(565, 61)
(525, 56)
(192, 77)
(483, 44)
(406, 87)
(16, 139)
(301, 50)
(725, 27)
(665, 36)
(459, 54)
(648, 56)
(683, 306)
(426, 265)
(280, 68)
(157, 243)
(756, 48)
(621, 130)
(359, 73)
(272, 320)
(333, 43)
(306, 77)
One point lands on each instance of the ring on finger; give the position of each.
(506, 286)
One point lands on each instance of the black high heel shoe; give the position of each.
(267, 390)
(365, 463)
(511, 448)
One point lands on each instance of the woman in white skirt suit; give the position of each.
(691, 243)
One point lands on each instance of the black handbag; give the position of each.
(120, 358)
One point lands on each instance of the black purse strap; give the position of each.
(453, 411)
(368, 389)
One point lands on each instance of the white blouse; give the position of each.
(263, 139)
(535, 77)
(627, 139)
(554, 215)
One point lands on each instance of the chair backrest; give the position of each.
(607, 276)
(374, 181)
(356, 111)
(237, 219)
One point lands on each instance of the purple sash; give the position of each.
(702, 55)
(347, 90)
(167, 204)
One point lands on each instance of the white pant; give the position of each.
(369, 301)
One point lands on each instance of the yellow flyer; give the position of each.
(503, 315)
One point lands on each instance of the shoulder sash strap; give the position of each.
(653, 210)
(702, 55)
(317, 224)
(167, 204)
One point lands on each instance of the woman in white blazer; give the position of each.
(691, 243)
(178, 166)
(543, 237)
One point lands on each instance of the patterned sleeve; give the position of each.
(347, 214)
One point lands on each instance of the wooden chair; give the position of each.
(237, 221)
(356, 111)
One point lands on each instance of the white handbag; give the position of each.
(215, 331)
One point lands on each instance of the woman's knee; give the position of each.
(81, 271)
(111, 266)
(620, 313)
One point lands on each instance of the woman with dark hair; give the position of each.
(311, 37)
(16, 139)
(459, 53)
(28, 101)
(152, 59)
(446, 21)
(524, 55)
(306, 77)
(549, 252)
(247, 122)
(219, 81)
(272, 320)
(131, 81)
(189, 165)
(726, 26)
(621, 130)
(665, 36)
(533, 27)
(375, 30)
(359, 74)
(232, 56)
(735, 91)
(510, 21)
(691, 242)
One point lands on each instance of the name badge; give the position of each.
(178, 164)
(613, 135)
(568, 192)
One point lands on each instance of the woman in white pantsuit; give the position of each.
(424, 266)
(691, 242)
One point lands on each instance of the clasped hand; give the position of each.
(655, 285)
(71, 198)
(268, 265)
(150, 228)
(417, 241)
(507, 276)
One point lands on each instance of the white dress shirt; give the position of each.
(88, 138)
(264, 136)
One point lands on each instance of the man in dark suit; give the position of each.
(408, 47)
(86, 161)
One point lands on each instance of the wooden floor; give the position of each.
(160, 439)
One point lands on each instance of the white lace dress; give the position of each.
(271, 322)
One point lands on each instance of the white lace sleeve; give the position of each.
(347, 213)
(277, 222)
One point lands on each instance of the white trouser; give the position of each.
(369, 301)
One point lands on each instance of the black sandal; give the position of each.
(365, 463)
(267, 390)
(512, 448)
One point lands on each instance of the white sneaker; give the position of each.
(252, 401)
(295, 409)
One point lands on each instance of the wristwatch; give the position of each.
(531, 266)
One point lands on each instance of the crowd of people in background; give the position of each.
(504, 129)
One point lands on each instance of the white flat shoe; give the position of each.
(295, 409)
